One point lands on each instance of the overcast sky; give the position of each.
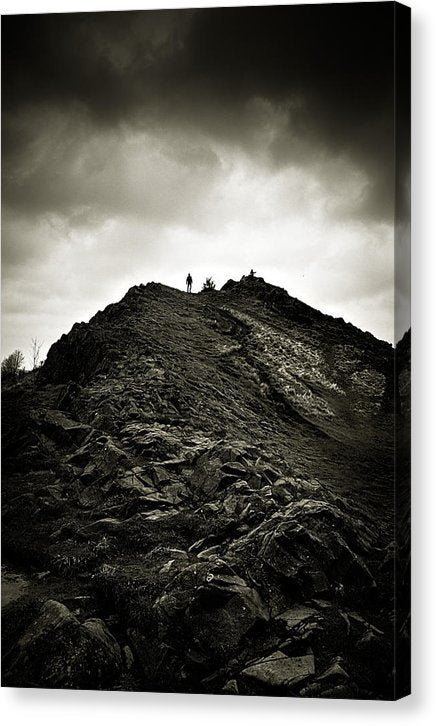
(141, 146)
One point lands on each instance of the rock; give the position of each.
(58, 652)
(278, 671)
(305, 547)
(81, 456)
(135, 484)
(296, 615)
(176, 493)
(108, 458)
(234, 468)
(217, 467)
(160, 476)
(270, 474)
(231, 687)
(228, 479)
(175, 463)
(339, 691)
(109, 525)
(312, 690)
(218, 583)
(213, 609)
(152, 441)
(207, 474)
(322, 604)
(277, 555)
(207, 553)
(254, 480)
(335, 673)
(172, 565)
(61, 428)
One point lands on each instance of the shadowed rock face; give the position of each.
(204, 485)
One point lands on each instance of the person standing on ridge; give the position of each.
(252, 273)
(189, 283)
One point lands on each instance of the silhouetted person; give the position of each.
(252, 273)
(189, 283)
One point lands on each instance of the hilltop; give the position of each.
(198, 496)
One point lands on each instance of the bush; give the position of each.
(209, 284)
(12, 366)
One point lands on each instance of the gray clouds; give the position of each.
(330, 70)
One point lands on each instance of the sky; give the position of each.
(141, 146)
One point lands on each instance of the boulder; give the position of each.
(160, 476)
(57, 651)
(62, 429)
(105, 460)
(207, 474)
(295, 616)
(135, 484)
(278, 671)
(335, 673)
(207, 609)
(231, 687)
(308, 545)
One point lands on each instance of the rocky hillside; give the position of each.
(198, 496)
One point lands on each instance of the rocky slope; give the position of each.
(198, 496)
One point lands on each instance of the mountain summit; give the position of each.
(198, 496)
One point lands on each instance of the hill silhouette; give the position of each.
(198, 496)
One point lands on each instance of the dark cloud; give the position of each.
(331, 66)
